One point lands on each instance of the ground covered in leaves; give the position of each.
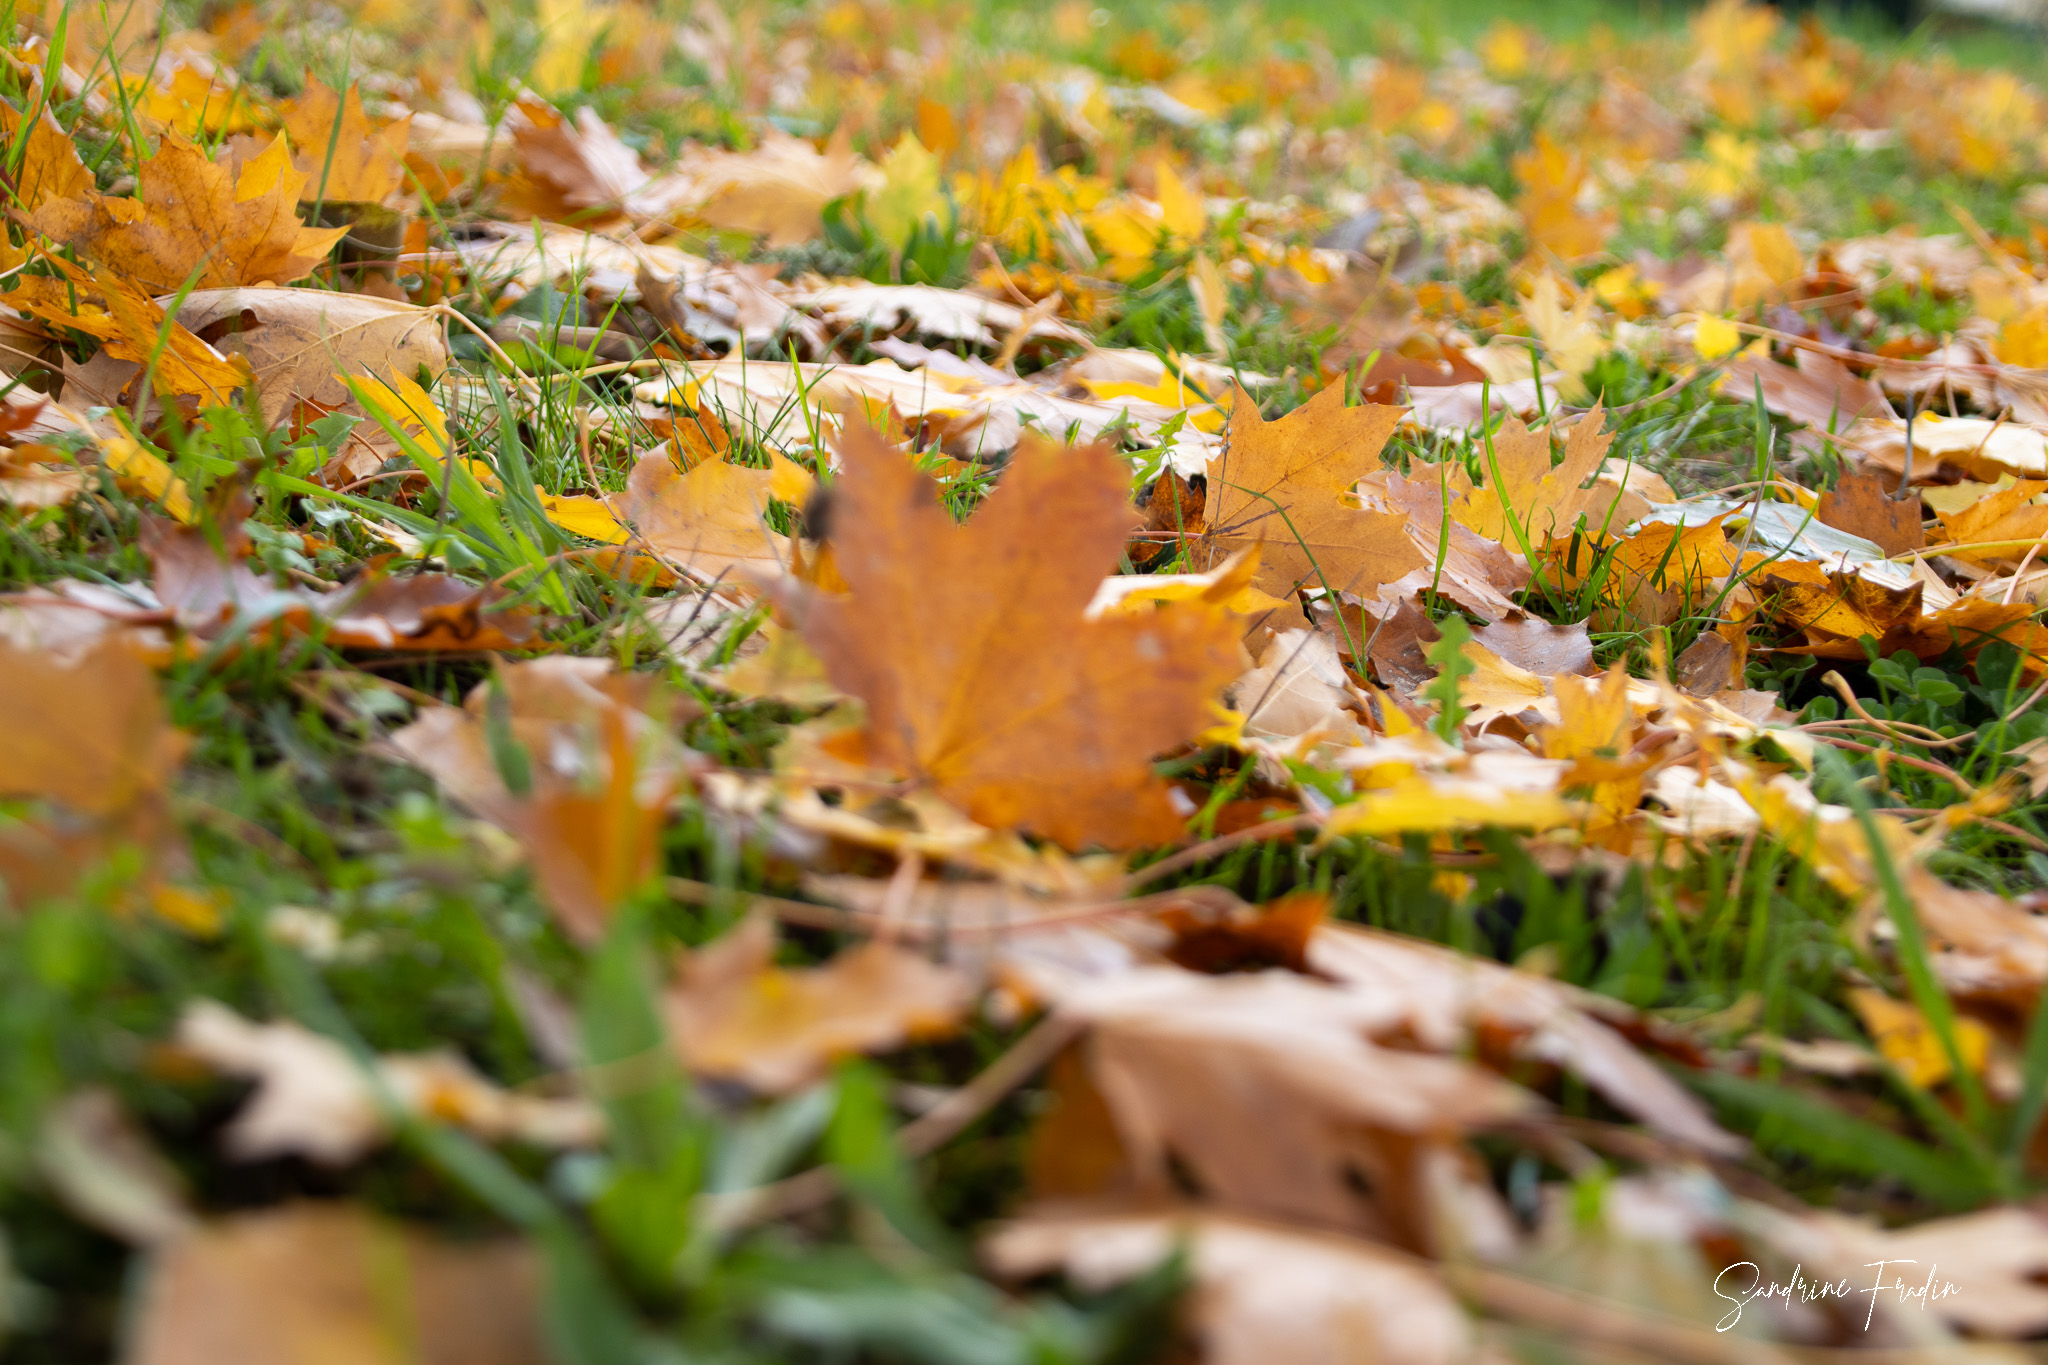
(970, 686)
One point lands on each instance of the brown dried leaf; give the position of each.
(780, 188)
(1539, 646)
(734, 1014)
(1263, 1294)
(603, 765)
(300, 343)
(1821, 393)
(970, 646)
(1269, 1092)
(711, 518)
(1861, 504)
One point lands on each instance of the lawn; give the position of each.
(914, 682)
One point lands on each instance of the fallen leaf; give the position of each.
(712, 518)
(196, 223)
(1524, 490)
(301, 342)
(131, 326)
(313, 1098)
(600, 768)
(1539, 646)
(50, 168)
(339, 154)
(734, 1014)
(581, 171)
(1909, 1042)
(1860, 504)
(948, 635)
(1266, 1089)
(1817, 391)
(1283, 484)
(2009, 515)
(780, 188)
(1262, 1293)
(308, 1282)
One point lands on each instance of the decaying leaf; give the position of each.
(84, 740)
(599, 769)
(970, 648)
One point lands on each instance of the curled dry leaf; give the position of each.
(580, 170)
(971, 649)
(733, 1013)
(309, 1282)
(1263, 1293)
(196, 222)
(314, 1100)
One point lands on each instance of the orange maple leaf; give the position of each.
(344, 158)
(50, 168)
(196, 221)
(1284, 483)
(981, 673)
